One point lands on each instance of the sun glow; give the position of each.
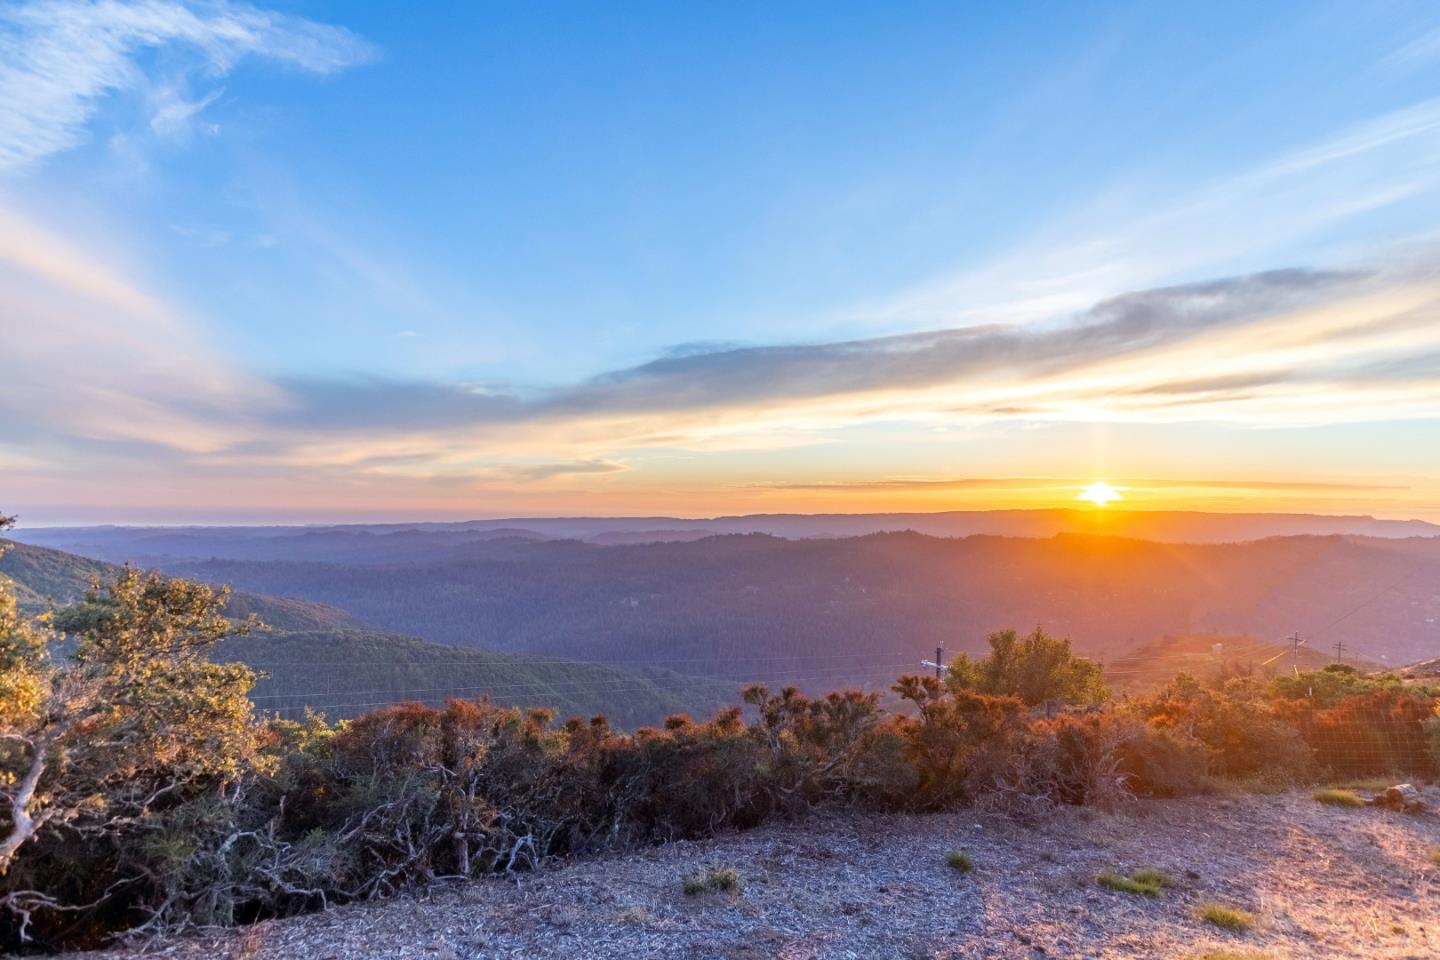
(1099, 493)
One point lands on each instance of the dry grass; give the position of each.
(1263, 785)
(1226, 918)
(1373, 784)
(1338, 798)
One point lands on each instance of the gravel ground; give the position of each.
(1320, 881)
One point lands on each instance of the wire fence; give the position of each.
(520, 679)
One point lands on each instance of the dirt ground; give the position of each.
(1320, 881)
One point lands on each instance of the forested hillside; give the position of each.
(317, 656)
(724, 605)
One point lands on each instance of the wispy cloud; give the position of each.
(1273, 348)
(92, 354)
(1422, 49)
(1278, 348)
(1133, 322)
(545, 471)
(172, 114)
(60, 58)
(1123, 239)
(895, 484)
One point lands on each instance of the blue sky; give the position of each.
(426, 262)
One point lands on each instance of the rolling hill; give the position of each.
(1214, 656)
(317, 656)
(44, 577)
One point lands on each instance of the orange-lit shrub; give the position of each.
(962, 744)
(1385, 731)
(1240, 730)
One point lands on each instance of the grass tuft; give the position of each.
(959, 861)
(715, 880)
(1435, 856)
(1151, 877)
(1373, 784)
(1338, 798)
(1148, 882)
(1226, 918)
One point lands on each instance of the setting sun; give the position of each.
(1099, 493)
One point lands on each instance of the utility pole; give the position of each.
(938, 663)
(1295, 642)
(1339, 651)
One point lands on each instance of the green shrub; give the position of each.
(1151, 877)
(1328, 687)
(1338, 798)
(1036, 668)
(959, 861)
(1226, 918)
(1146, 882)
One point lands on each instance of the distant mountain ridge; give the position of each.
(441, 540)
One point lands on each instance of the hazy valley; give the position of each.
(365, 616)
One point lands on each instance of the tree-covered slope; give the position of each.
(45, 577)
(317, 656)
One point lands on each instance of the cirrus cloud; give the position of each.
(60, 58)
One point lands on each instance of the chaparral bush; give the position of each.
(1238, 728)
(1384, 731)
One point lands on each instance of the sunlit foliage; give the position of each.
(1036, 668)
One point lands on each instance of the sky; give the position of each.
(314, 261)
